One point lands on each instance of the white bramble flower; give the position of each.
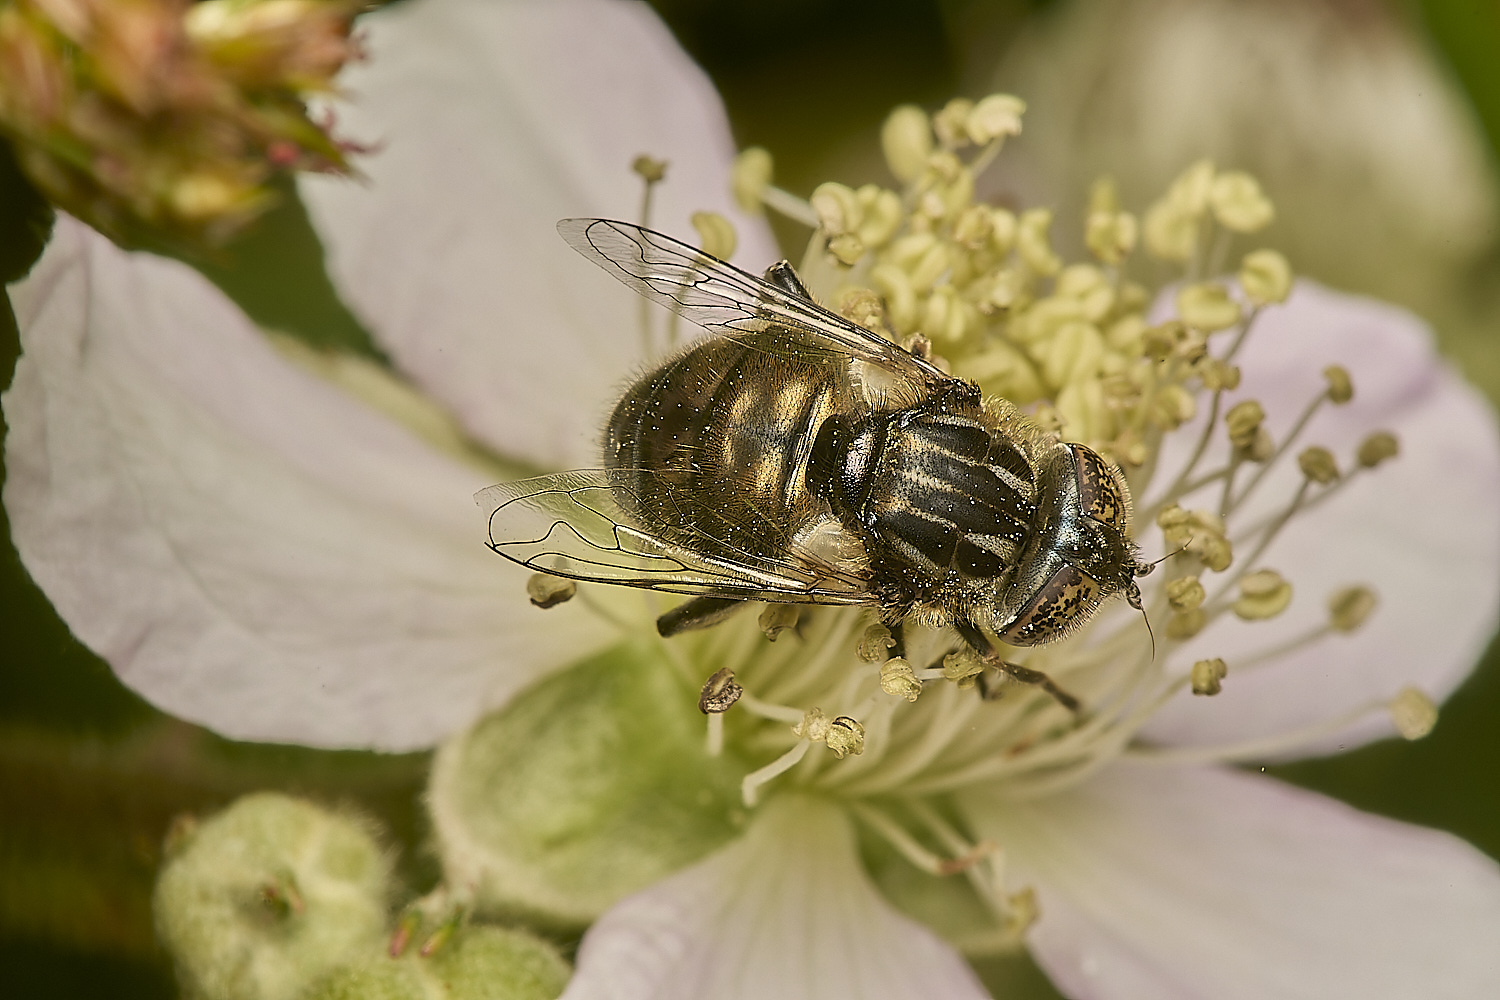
(281, 546)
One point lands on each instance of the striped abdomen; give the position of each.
(709, 448)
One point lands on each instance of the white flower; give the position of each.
(252, 548)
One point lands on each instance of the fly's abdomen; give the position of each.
(709, 448)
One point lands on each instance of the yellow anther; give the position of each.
(719, 692)
(846, 248)
(1318, 464)
(1413, 713)
(1239, 203)
(1377, 448)
(1170, 233)
(900, 297)
(948, 318)
(1348, 607)
(651, 170)
(1242, 421)
(1186, 625)
(1048, 418)
(1261, 447)
(1127, 335)
(1085, 410)
(777, 618)
(1214, 551)
(837, 207)
(1160, 342)
(716, 234)
(863, 307)
(1172, 223)
(1263, 594)
(1217, 375)
(906, 140)
(1021, 912)
(1191, 190)
(1104, 195)
(751, 176)
(951, 123)
(1003, 226)
(943, 167)
(1081, 282)
(547, 591)
(845, 737)
(1033, 243)
(1173, 407)
(1003, 370)
(1208, 676)
(962, 665)
(1266, 277)
(1340, 387)
(1073, 353)
(1111, 236)
(995, 117)
(930, 267)
(876, 643)
(1200, 532)
(897, 678)
(814, 726)
(1185, 593)
(972, 228)
(882, 215)
(1207, 306)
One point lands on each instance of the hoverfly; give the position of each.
(797, 457)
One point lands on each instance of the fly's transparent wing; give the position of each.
(571, 525)
(722, 298)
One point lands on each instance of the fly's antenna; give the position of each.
(1133, 592)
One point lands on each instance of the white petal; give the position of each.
(1421, 529)
(247, 547)
(495, 120)
(1163, 883)
(784, 913)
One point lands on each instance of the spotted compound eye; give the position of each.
(1101, 492)
(1061, 604)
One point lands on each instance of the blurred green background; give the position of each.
(90, 776)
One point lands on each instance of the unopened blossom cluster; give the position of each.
(280, 544)
(165, 118)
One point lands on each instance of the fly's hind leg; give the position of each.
(700, 612)
(981, 645)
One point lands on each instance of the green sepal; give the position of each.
(591, 785)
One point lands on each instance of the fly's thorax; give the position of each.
(712, 445)
(1079, 554)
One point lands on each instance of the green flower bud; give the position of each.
(478, 963)
(587, 787)
(268, 896)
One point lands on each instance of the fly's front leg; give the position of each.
(986, 650)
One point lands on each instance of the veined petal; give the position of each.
(248, 547)
(1419, 529)
(1186, 882)
(495, 120)
(786, 912)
